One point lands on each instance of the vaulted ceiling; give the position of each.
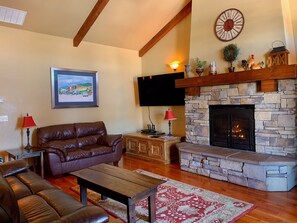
(128, 24)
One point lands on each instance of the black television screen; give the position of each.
(159, 90)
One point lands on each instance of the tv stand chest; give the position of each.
(160, 149)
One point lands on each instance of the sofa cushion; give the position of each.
(86, 214)
(34, 182)
(37, 209)
(55, 132)
(87, 140)
(62, 144)
(20, 189)
(9, 208)
(76, 154)
(90, 128)
(97, 150)
(60, 201)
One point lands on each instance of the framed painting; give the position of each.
(74, 88)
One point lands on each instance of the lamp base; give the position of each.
(169, 125)
(28, 147)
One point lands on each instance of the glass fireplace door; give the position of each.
(232, 126)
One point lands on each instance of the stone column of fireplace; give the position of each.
(275, 114)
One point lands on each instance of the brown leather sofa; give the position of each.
(70, 147)
(26, 197)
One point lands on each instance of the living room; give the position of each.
(26, 58)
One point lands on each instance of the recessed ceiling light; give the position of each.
(12, 16)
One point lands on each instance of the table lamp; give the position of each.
(169, 115)
(27, 123)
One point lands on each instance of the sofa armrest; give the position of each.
(86, 214)
(62, 153)
(109, 140)
(13, 167)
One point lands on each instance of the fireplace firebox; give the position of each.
(232, 126)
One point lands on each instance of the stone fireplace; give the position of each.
(275, 114)
(271, 165)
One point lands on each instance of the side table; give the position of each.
(24, 154)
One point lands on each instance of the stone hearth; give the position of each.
(255, 170)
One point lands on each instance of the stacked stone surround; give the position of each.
(275, 114)
(275, 137)
(255, 170)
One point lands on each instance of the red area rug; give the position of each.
(178, 202)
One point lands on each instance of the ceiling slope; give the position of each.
(173, 22)
(128, 24)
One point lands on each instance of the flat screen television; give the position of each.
(159, 90)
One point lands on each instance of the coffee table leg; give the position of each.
(131, 216)
(152, 207)
(83, 195)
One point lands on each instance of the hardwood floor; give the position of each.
(271, 207)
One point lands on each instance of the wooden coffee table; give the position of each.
(121, 185)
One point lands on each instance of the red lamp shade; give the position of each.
(28, 122)
(169, 115)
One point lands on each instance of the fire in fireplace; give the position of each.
(232, 126)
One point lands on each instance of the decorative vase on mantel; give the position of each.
(187, 70)
(199, 71)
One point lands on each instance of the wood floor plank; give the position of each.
(271, 207)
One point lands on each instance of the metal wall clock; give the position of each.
(229, 24)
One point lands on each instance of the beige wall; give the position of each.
(263, 25)
(25, 61)
(174, 46)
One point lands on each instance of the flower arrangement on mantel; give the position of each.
(230, 53)
(200, 65)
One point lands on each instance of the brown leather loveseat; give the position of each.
(70, 147)
(25, 197)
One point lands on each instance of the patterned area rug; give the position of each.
(178, 202)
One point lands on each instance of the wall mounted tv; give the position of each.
(159, 90)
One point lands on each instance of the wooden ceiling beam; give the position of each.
(170, 25)
(98, 8)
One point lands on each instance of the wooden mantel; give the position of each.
(265, 78)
